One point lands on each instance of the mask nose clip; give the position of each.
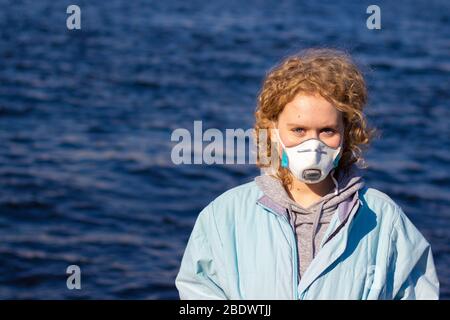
(311, 174)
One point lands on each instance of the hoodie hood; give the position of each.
(346, 184)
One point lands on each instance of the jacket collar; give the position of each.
(272, 206)
(344, 207)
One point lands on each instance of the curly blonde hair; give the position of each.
(333, 75)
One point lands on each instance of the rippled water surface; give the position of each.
(86, 118)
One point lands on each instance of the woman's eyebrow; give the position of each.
(295, 125)
(334, 126)
(330, 125)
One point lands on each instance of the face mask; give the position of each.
(310, 161)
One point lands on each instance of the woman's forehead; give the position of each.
(311, 110)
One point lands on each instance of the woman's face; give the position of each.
(310, 116)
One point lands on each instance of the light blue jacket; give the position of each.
(242, 247)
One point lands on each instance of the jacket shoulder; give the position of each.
(240, 195)
(380, 206)
(376, 196)
(389, 213)
(380, 203)
(233, 204)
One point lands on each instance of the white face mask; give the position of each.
(310, 161)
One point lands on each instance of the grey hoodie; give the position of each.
(311, 223)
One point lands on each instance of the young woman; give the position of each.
(308, 227)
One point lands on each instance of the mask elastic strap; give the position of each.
(336, 190)
(279, 138)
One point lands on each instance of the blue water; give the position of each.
(86, 118)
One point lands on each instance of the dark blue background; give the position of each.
(86, 118)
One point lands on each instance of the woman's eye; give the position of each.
(298, 130)
(328, 131)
